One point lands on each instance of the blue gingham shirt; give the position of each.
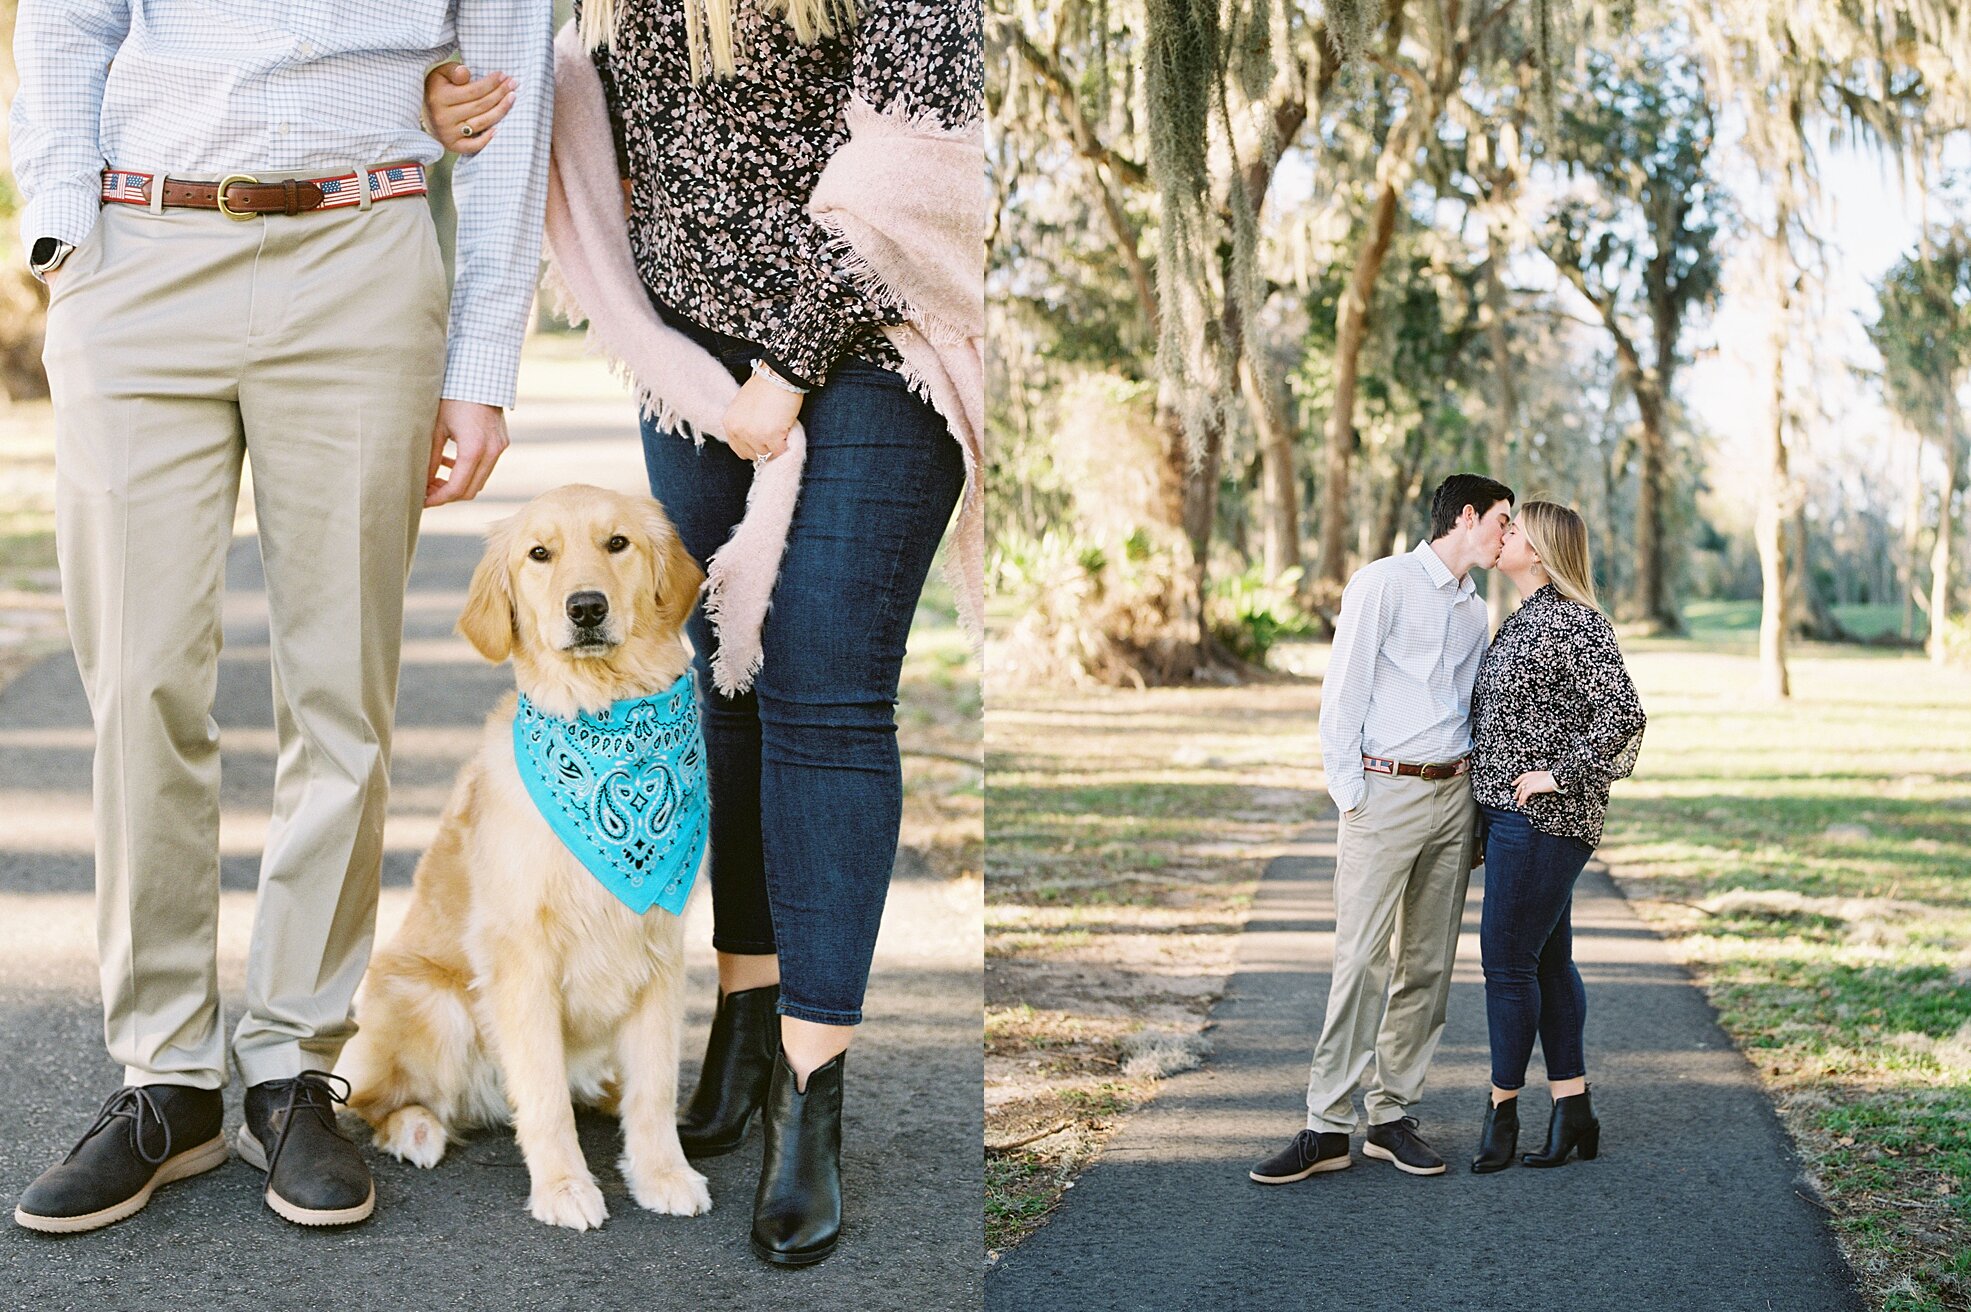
(198, 89)
(1406, 654)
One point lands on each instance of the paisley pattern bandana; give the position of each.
(625, 791)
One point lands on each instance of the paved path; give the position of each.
(456, 1237)
(1695, 1203)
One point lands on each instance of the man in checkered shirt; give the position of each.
(225, 198)
(1396, 745)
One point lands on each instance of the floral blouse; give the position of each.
(721, 171)
(1553, 694)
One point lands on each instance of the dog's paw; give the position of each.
(414, 1135)
(572, 1201)
(679, 1191)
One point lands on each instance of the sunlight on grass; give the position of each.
(1813, 862)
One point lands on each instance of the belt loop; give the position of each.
(363, 187)
(290, 197)
(157, 193)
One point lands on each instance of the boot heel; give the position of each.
(1591, 1144)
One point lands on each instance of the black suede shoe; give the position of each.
(1498, 1141)
(1398, 1143)
(315, 1176)
(1310, 1153)
(732, 1084)
(797, 1213)
(144, 1136)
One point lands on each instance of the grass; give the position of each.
(1126, 833)
(1742, 617)
(1812, 862)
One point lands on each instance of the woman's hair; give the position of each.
(708, 27)
(1560, 538)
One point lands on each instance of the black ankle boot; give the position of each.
(1573, 1126)
(797, 1213)
(738, 1068)
(1498, 1142)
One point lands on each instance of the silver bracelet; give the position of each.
(761, 369)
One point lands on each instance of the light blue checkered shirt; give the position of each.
(198, 89)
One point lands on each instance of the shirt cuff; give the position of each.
(810, 341)
(1348, 793)
(67, 213)
(481, 371)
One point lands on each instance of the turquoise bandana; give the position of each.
(625, 791)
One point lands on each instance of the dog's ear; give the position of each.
(676, 576)
(487, 621)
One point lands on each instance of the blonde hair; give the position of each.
(1560, 539)
(708, 27)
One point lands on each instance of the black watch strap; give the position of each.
(48, 254)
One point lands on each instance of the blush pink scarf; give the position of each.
(906, 201)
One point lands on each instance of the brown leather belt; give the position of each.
(1440, 770)
(243, 197)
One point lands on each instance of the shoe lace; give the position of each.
(311, 1091)
(135, 1102)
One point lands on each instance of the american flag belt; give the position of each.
(242, 196)
(1441, 770)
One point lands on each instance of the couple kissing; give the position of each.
(1443, 750)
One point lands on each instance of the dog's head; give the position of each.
(581, 576)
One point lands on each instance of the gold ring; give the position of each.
(465, 129)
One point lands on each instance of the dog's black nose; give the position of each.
(588, 609)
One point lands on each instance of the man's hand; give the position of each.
(758, 420)
(477, 435)
(462, 110)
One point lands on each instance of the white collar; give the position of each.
(1438, 572)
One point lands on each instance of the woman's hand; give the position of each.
(757, 421)
(462, 110)
(1531, 784)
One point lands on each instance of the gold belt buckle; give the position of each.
(239, 216)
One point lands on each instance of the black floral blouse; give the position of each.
(1553, 694)
(721, 172)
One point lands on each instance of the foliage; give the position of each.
(1250, 612)
(1924, 333)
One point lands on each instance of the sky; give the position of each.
(1869, 219)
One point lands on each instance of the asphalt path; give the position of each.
(1695, 1203)
(457, 1236)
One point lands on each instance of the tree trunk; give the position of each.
(1940, 554)
(1351, 332)
(1279, 498)
(1652, 593)
(1912, 534)
(1807, 606)
(1773, 505)
(1492, 314)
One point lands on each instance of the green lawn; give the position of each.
(1727, 619)
(1813, 861)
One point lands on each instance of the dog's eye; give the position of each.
(538, 553)
(619, 543)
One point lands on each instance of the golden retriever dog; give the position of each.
(519, 986)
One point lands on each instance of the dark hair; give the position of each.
(1457, 492)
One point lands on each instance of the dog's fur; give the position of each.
(518, 985)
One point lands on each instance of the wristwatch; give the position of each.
(47, 256)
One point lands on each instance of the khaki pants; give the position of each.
(1401, 870)
(180, 342)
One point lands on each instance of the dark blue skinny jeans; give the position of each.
(807, 787)
(1526, 941)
